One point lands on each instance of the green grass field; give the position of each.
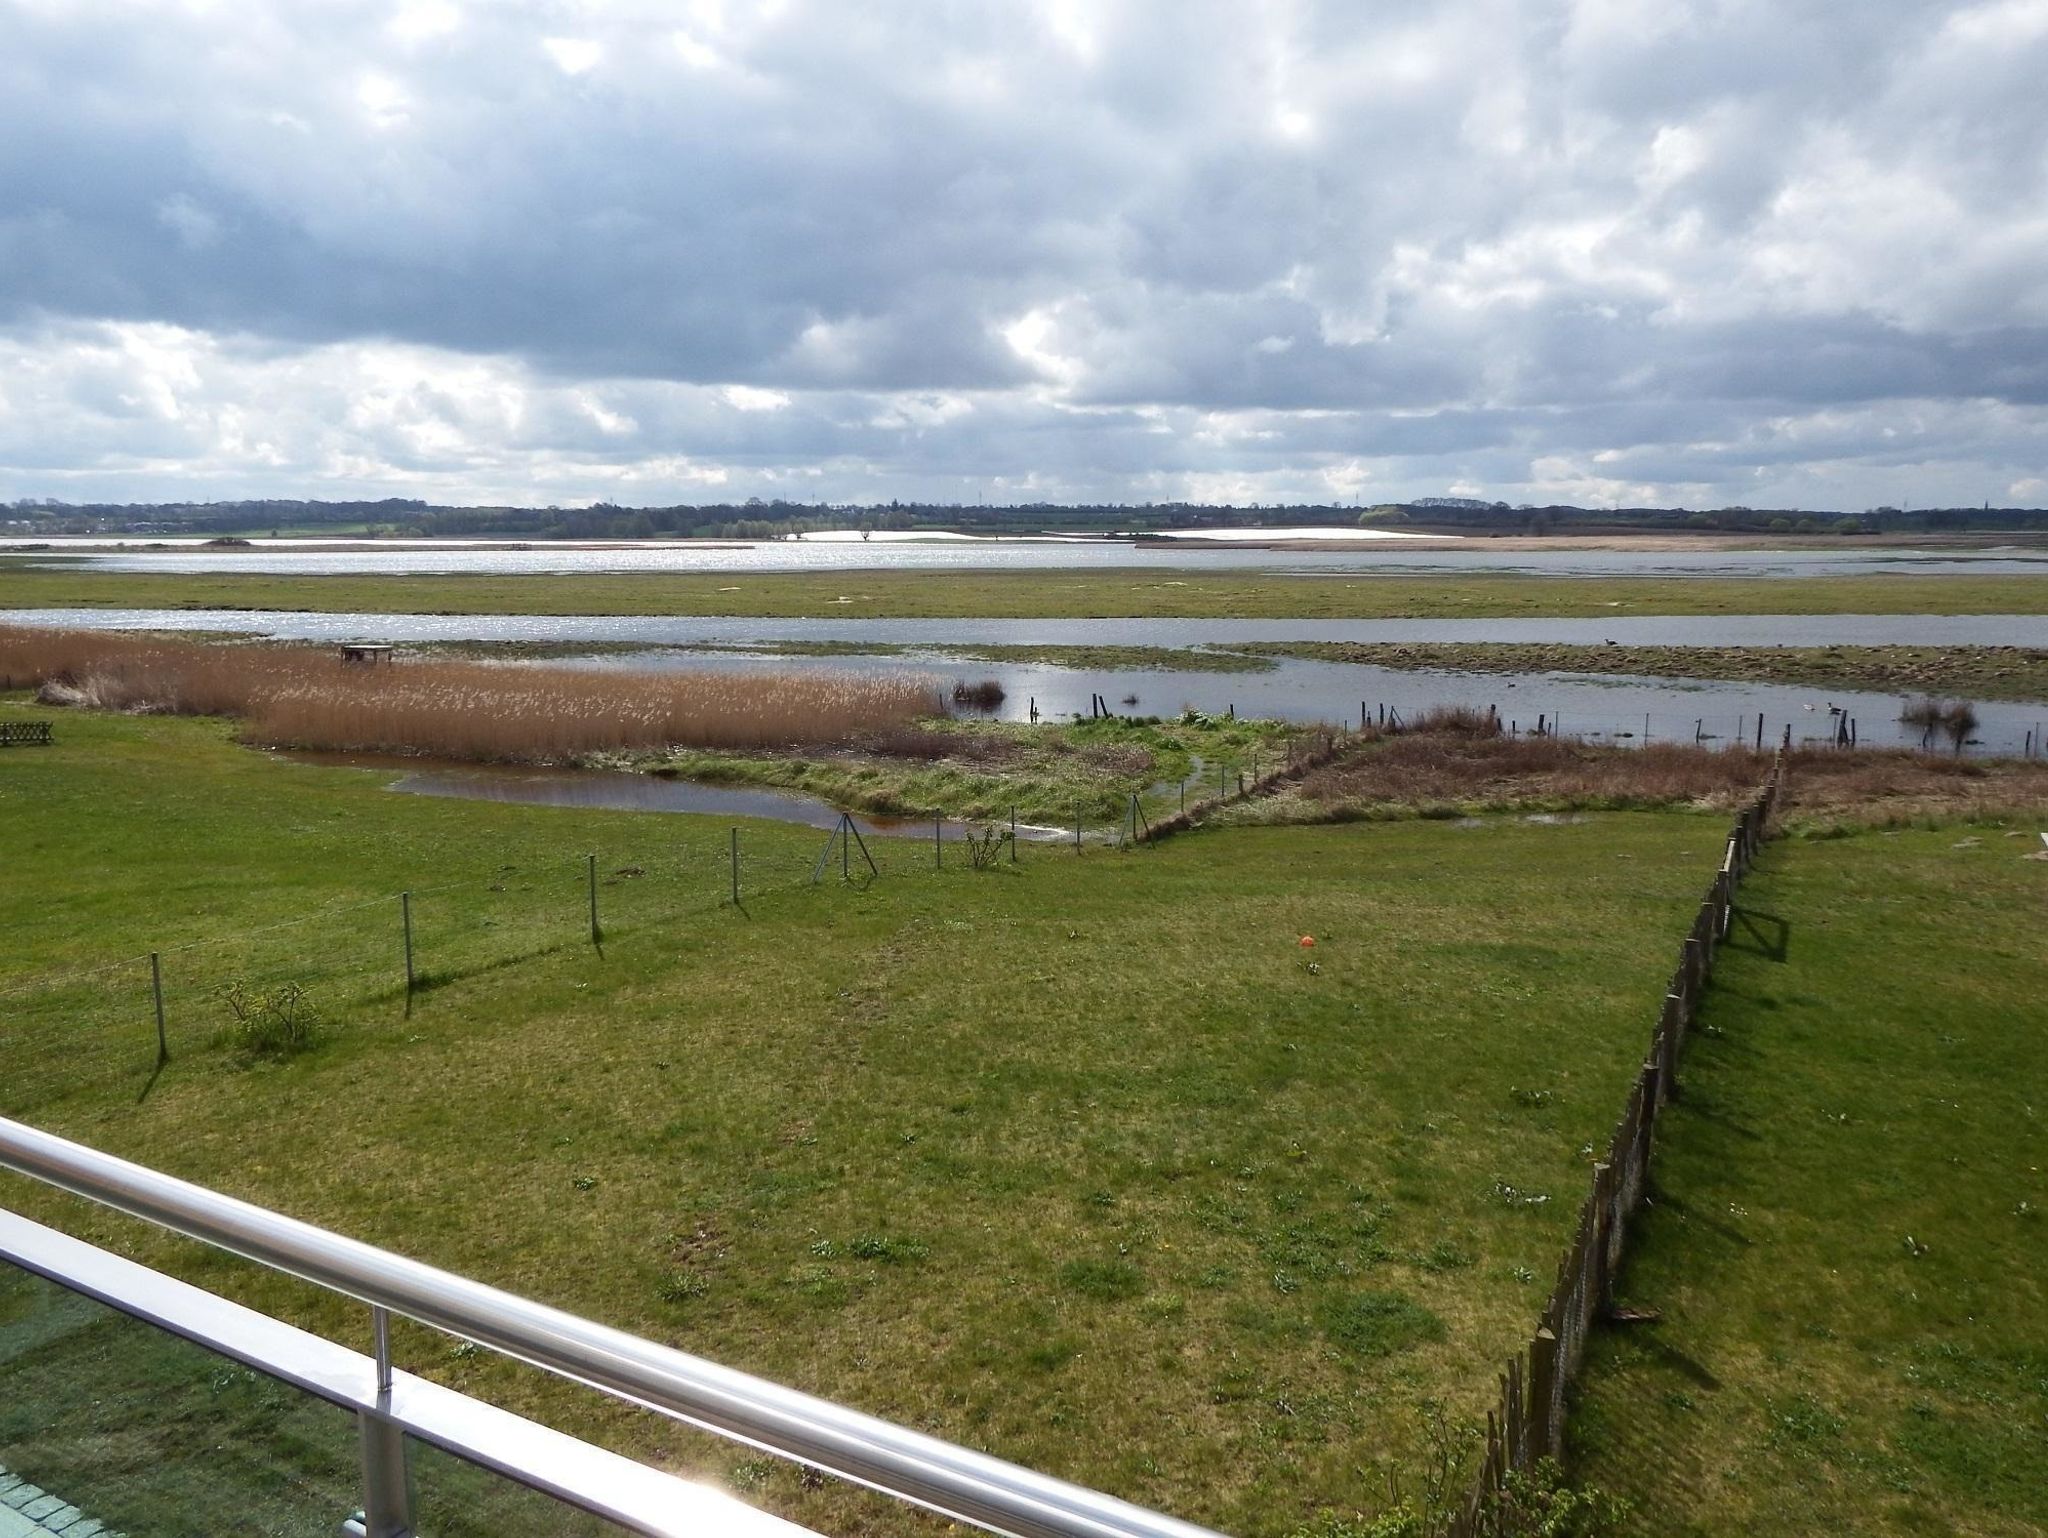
(1847, 1241)
(1029, 595)
(1087, 1162)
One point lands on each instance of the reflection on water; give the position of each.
(612, 790)
(854, 558)
(1611, 709)
(691, 630)
(1603, 708)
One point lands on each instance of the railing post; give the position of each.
(387, 1477)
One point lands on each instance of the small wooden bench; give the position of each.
(19, 734)
(367, 652)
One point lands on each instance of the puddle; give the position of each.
(615, 790)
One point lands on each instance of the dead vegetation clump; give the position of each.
(1453, 721)
(304, 697)
(1452, 773)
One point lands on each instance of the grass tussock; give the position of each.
(302, 697)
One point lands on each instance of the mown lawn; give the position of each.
(1113, 593)
(1847, 1244)
(1086, 1161)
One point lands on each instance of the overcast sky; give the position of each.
(1784, 253)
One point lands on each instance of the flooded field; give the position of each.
(1624, 709)
(620, 791)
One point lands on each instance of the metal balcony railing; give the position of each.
(391, 1405)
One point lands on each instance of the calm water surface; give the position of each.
(1615, 709)
(1462, 556)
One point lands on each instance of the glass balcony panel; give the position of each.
(453, 1498)
(148, 1434)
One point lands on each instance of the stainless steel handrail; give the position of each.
(955, 1481)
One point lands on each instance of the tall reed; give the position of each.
(295, 696)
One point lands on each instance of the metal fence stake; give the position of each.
(156, 990)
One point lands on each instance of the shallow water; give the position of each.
(622, 791)
(694, 630)
(1612, 709)
(1597, 706)
(1466, 556)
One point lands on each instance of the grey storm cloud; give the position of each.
(1611, 249)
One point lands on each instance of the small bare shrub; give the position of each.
(269, 1022)
(986, 847)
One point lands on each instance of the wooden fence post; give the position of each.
(405, 917)
(596, 934)
(735, 867)
(1546, 1428)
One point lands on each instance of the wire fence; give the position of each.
(92, 1029)
(1528, 1423)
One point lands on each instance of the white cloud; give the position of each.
(1121, 249)
(573, 55)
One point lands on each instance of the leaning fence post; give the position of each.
(1077, 828)
(156, 990)
(1013, 833)
(938, 847)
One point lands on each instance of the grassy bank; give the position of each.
(1984, 672)
(1087, 1161)
(1846, 1240)
(1163, 593)
(1046, 774)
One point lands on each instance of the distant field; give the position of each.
(1849, 1237)
(1088, 1162)
(1028, 595)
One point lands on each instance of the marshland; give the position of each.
(1315, 1190)
(302, 697)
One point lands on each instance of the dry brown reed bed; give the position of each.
(1467, 769)
(295, 696)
